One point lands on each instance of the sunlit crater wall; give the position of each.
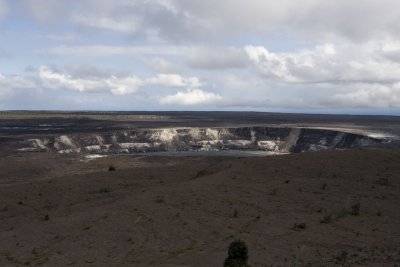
(280, 140)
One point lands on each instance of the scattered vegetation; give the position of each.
(382, 181)
(159, 199)
(237, 255)
(235, 213)
(355, 209)
(105, 190)
(324, 186)
(274, 192)
(180, 251)
(341, 257)
(326, 219)
(202, 173)
(299, 226)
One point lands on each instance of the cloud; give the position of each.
(216, 58)
(255, 53)
(241, 82)
(49, 82)
(160, 65)
(85, 71)
(365, 96)
(106, 23)
(105, 50)
(12, 83)
(329, 63)
(207, 58)
(210, 20)
(118, 86)
(91, 79)
(16, 82)
(58, 37)
(191, 97)
(45, 11)
(353, 20)
(174, 80)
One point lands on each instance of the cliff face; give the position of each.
(199, 139)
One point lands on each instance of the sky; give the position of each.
(308, 56)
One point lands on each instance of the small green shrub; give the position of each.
(382, 181)
(235, 213)
(299, 226)
(341, 257)
(104, 190)
(355, 209)
(326, 219)
(237, 255)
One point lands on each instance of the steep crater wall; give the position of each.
(280, 140)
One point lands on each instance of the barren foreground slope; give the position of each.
(298, 209)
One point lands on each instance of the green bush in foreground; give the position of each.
(355, 209)
(237, 255)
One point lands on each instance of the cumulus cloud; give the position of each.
(255, 53)
(365, 96)
(118, 86)
(174, 80)
(191, 97)
(329, 63)
(96, 81)
(293, 96)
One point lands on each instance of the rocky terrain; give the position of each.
(325, 208)
(85, 190)
(279, 140)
